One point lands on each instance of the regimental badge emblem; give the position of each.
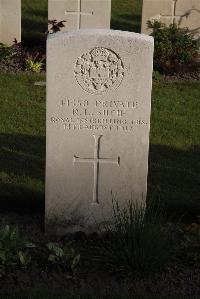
(99, 70)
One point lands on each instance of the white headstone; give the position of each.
(185, 13)
(81, 14)
(10, 21)
(98, 121)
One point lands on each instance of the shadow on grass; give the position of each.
(34, 26)
(22, 170)
(126, 22)
(174, 176)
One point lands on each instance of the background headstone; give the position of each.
(81, 14)
(10, 21)
(98, 121)
(185, 13)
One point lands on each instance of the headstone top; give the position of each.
(101, 32)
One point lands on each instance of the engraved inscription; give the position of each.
(96, 161)
(99, 70)
(97, 124)
(99, 115)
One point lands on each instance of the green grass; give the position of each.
(126, 15)
(22, 139)
(34, 22)
(137, 246)
(175, 147)
(174, 150)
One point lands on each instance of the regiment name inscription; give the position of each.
(98, 115)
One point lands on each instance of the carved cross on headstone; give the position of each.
(173, 17)
(79, 13)
(96, 161)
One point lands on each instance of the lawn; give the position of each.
(126, 15)
(22, 142)
(174, 145)
(34, 22)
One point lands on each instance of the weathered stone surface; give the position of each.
(185, 13)
(98, 121)
(81, 14)
(10, 21)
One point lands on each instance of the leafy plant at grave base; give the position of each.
(137, 242)
(175, 47)
(34, 65)
(14, 250)
(12, 57)
(18, 54)
(64, 256)
(55, 26)
(16, 58)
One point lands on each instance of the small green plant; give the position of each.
(175, 48)
(34, 65)
(13, 250)
(25, 258)
(63, 255)
(17, 58)
(137, 244)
